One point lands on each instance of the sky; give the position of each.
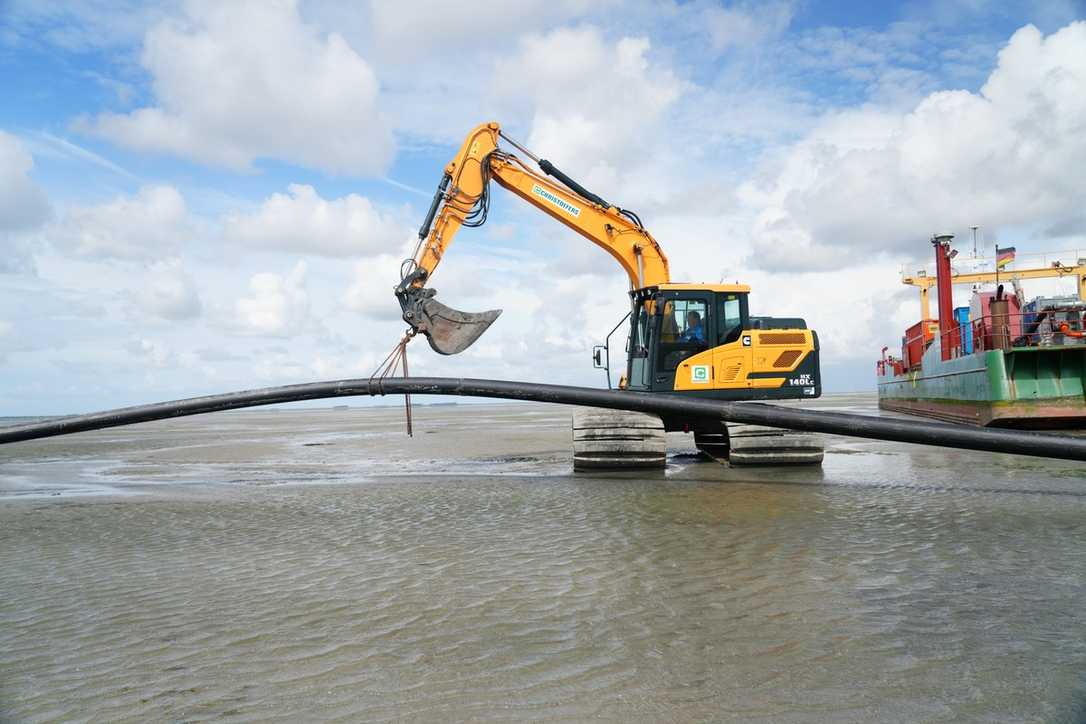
(198, 197)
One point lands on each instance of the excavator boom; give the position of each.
(463, 200)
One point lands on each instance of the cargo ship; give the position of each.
(1002, 361)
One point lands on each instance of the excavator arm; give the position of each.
(463, 199)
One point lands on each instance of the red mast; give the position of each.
(948, 330)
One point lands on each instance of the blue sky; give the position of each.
(198, 196)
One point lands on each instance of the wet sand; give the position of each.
(315, 564)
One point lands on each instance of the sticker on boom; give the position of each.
(699, 373)
(559, 202)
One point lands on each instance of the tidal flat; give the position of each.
(300, 564)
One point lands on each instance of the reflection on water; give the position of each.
(312, 564)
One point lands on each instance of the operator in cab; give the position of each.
(694, 331)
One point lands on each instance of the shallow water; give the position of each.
(318, 564)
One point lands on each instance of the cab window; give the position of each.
(683, 331)
(729, 318)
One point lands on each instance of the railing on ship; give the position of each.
(990, 332)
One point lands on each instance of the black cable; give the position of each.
(632, 217)
(837, 423)
(479, 212)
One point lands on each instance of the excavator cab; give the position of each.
(668, 327)
(701, 340)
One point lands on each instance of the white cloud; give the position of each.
(149, 225)
(169, 292)
(152, 352)
(23, 204)
(301, 221)
(1012, 154)
(592, 101)
(370, 292)
(746, 24)
(82, 25)
(425, 26)
(46, 144)
(239, 81)
(277, 306)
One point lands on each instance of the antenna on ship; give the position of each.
(974, 228)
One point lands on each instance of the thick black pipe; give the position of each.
(911, 431)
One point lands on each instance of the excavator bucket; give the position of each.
(452, 331)
(448, 330)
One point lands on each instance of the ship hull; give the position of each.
(1060, 415)
(1028, 388)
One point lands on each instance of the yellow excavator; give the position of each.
(684, 339)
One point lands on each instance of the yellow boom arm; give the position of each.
(463, 200)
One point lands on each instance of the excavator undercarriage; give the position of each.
(616, 440)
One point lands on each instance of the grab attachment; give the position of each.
(449, 331)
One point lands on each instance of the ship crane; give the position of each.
(922, 280)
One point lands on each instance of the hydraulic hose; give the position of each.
(836, 423)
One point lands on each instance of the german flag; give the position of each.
(1004, 256)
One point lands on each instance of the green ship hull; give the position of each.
(1022, 387)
